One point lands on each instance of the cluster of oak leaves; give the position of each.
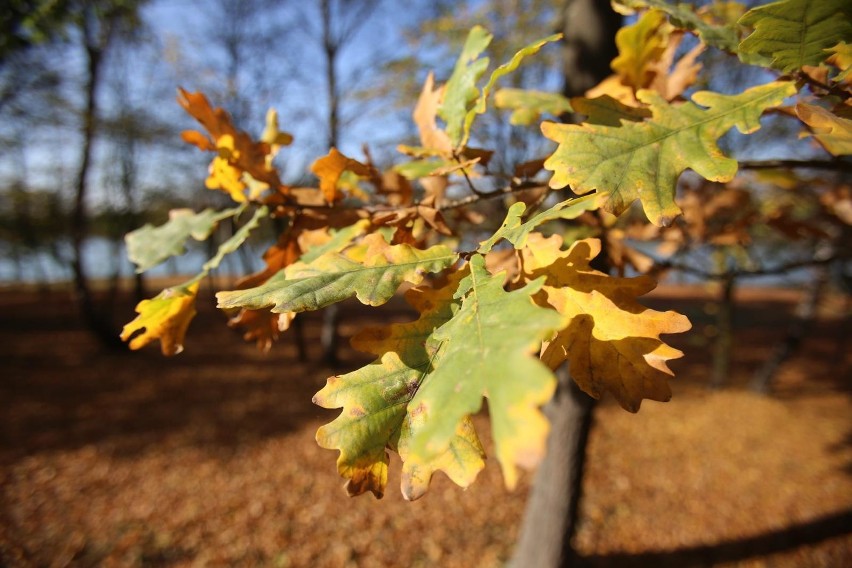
(496, 321)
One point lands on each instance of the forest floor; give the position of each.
(209, 458)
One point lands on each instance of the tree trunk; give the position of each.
(96, 321)
(552, 511)
(805, 314)
(725, 334)
(331, 314)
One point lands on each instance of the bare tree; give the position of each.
(98, 24)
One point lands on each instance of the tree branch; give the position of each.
(737, 273)
(829, 89)
(838, 165)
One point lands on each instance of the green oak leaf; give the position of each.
(527, 106)
(505, 69)
(340, 239)
(516, 231)
(374, 400)
(643, 160)
(232, 244)
(490, 348)
(371, 270)
(460, 89)
(794, 33)
(148, 246)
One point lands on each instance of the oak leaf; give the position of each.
(165, 317)
(793, 33)
(331, 167)
(640, 46)
(371, 270)
(516, 231)
(482, 100)
(148, 246)
(239, 155)
(432, 137)
(375, 400)
(841, 57)
(460, 90)
(713, 31)
(643, 160)
(262, 326)
(527, 106)
(487, 349)
(611, 341)
(834, 133)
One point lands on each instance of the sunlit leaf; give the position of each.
(331, 167)
(374, 400)
(371, 271)
(643, 160)
(841, 57)
(725, 36)
(640, 46)
(165, 317)
(830, 130)
(516, 231)
(502, 70)
(488, 350)
(612, 342)
(795, 33)
(460, 90)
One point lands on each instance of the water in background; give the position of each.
(101, 258)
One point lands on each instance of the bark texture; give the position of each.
(96, 40)
(552, 510)
(550, 519)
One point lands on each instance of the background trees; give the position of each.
(364, 219)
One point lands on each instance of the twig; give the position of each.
(736, 273)
(831, 89)
(839, 165)
(470, 199)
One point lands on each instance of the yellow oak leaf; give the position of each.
(841, 57)
(612, 342)
(223, 175)
(165, 317)
(640, 46)
(830, 130)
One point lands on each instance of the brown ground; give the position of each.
(209, 459)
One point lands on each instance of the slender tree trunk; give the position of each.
(552, 511)
(725, 334)
(550, 519)
(96, 321)
(805, 315)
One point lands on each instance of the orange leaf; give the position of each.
(330, 167)
(431, 137)
(238, 153)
